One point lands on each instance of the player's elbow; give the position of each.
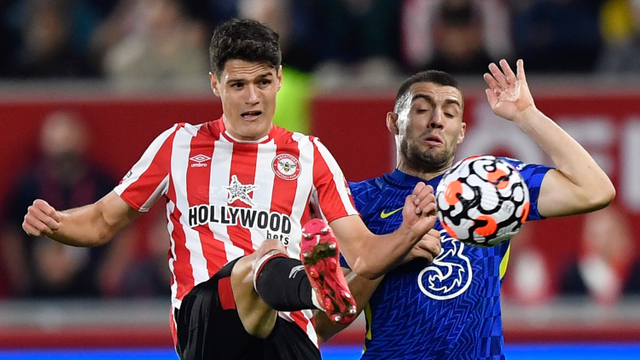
(361, 268)
(101, 239)
(596, 200)
(604, 196)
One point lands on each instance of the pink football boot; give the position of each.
(321, 258)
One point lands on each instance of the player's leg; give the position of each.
(285, 284)
(225, 318)
(208, 325)
(232, 314)
(254, 274)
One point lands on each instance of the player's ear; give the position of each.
(214, 84)
(279, 77)
(463, 128)
(392, 123)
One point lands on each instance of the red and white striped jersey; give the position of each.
(225, 196)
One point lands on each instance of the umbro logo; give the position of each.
(199, 160)
(295, 270)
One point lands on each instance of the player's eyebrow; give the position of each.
(431, 101)
(258, 77)
(264, 76)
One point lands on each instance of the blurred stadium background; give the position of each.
(115, 67)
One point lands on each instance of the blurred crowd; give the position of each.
(324, 42)
(133, 264)
(337, 41)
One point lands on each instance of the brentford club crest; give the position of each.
(286, 166)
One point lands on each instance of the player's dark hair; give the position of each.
(243, 39)
(429, 76)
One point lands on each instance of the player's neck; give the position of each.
(425, 175)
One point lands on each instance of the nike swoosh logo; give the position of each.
(384, 215)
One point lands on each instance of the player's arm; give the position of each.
(371, 255)
(577, 184)
(362, 289)
(90, 225)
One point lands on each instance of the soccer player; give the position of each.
(237, 191)
(450, 309)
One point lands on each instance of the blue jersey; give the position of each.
(446, 310)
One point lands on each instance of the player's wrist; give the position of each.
(524, 116)
(407, 235)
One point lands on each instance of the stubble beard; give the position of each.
(430, 161)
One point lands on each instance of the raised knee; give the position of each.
(268, 246)
(272, 244)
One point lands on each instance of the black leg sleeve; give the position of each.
(283, 285)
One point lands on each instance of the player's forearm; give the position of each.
(83, 226)
(94, 224)
(591, 183)
(383, 253)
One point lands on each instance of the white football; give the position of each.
(482, 201)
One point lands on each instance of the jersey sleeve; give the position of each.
(333, 196)
(148, 179)
(533, 174)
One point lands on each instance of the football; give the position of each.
(482, 201)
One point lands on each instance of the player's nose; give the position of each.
(436, 120)
(252, 95)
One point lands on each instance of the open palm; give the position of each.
(508, 93)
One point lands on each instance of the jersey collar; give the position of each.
(403, 180)
(230, 138)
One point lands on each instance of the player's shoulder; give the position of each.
(368, 184)
(283, 135)
(189, 129)
(527, 170)
(365, 190)
(518, 164)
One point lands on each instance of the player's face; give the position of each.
(248, 93)
(431, 127)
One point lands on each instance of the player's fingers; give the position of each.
(428, 204)
(434, 233)
(422, 253)
(423, 194)
(520, 70)
(419, 192)
(433, 247)
(509, 75)
(492, 98)
(50, 219)
(30, 229)
(429, 189)
(39, 217)
(419, 188)
(35, 226)
(498, 75)
(46, 209)
(43, 227)
(431, 209)
(491, 82)
(427, 241)
(423, 191)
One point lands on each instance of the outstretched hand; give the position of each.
(508, 93)
(419, 212)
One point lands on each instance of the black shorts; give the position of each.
(209, 328)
